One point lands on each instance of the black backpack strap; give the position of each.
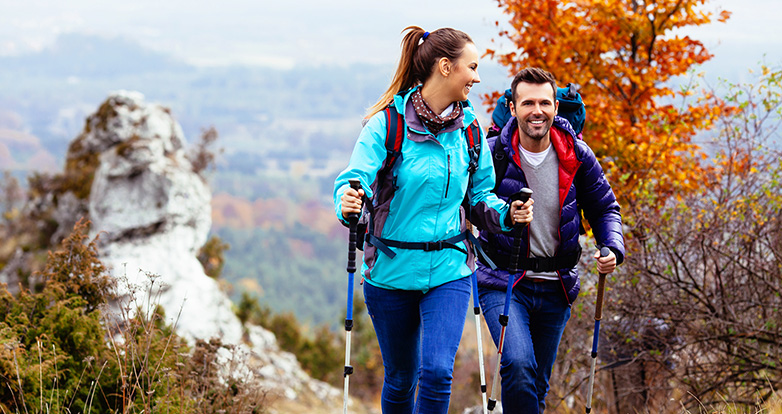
(501, 160)
(474, 151)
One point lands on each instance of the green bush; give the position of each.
(62, 353)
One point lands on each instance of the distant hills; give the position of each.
(83, 55)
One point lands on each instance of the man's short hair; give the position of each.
(535, 76)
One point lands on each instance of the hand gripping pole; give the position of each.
(523, 195)
(601, 285)
(353, 224)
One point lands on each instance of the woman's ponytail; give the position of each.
(420, 52)
(404, 77)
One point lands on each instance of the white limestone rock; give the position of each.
(153, 214)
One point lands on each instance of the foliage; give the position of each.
(203, 157)
(76, 270)
(321, 353)
(624, 55)
(11, 196)
(318, 352)
(294, 269)
(709, 269)
(62, 352)
(212, 256)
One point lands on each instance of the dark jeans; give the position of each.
(419, 334)
(537, 317)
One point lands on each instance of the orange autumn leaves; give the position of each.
(625, 54)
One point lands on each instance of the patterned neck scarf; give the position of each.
(431, 120)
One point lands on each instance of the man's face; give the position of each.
(535, 108)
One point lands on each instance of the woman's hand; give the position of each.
(351, 202)
(521, 213)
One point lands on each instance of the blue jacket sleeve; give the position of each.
(368, 156)
(488, 211)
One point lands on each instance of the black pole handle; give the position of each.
(524, 194)
(601, 287)
(353, 224)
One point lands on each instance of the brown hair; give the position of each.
(418, 59)
(535, 76)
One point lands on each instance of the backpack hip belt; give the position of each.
(384, 244)
(450, 243)
(533, 264)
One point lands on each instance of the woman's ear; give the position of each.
(444, 66)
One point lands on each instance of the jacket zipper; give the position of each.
(448, 182)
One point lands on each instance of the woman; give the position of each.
(417, 292)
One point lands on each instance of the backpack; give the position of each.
(571, 107)
(395, 136)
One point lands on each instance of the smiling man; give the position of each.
(562, 171)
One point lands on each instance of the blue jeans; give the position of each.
(419, 334)
(537, 316)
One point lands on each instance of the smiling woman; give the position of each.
(417, 294)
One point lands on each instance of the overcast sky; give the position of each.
(283, 33)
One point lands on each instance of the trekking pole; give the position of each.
(601, 284)
(523, 195)
(353, 223)
(477, 310)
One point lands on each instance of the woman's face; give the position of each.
(464, 73)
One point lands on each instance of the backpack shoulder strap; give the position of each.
(395, 135)
(500, 158)
(474, 151)
(473, 146)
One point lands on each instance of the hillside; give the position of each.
(283, 137)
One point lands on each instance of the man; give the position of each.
(565, 177)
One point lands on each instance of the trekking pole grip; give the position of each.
(353, 224)
(523, 195)
(601, 285)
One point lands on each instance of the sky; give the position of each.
(284, 33)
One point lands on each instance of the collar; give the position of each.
(418, 132)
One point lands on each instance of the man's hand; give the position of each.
(606, 264)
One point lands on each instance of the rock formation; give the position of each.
(152, 213)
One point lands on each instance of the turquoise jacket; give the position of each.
(432, 180)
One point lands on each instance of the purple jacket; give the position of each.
(581, 184)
